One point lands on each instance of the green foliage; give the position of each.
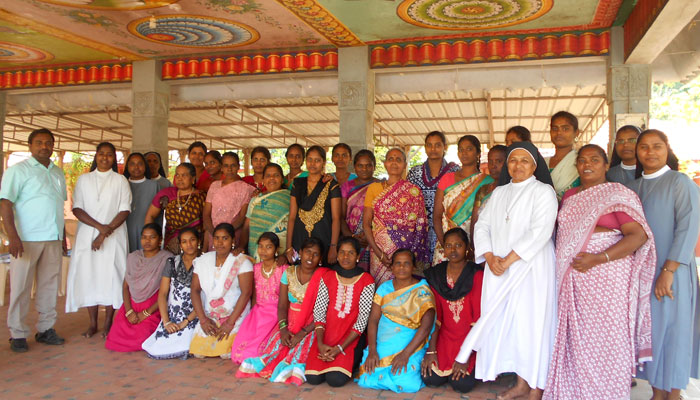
(676, 101)
(78, 165)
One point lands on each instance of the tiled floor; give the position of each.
(84, 369)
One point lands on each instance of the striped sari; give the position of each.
(268, 212)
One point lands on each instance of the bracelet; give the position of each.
(146, 313)
(131, 311)
(607, 257)
(341, 349)
(320, 327)
(431, 352)
(282, 324)
(667, 270)
(168, 323)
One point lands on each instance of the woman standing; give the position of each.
(402, 317)
(101, 202)
(454, 199)
(563, 131)
(173, 336)
(138, 317)
(259, 323)
(143, 191)
(341, 156)
(517, 134)
(221, 288)
(605, 267)
(672, 206)
(195, 154)
(259, 158)
(212, 164)
(184, 207)
(284, 355)
(341, 311)
(623, 162)
(155, 169)
(353, 192)
(314, 208)
(518, 306)
(394, 217)
(267, 212)
(496, 160)
(227, 200)
(295, 158)
(427, 176)
(456, 285)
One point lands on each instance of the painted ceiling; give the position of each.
(59, 32)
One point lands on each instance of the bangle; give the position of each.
(282, 324)
(431, 352)
(607, 257)
(667, 270)
(146, 313)
(320, 327)
(341, 349)
(168, 323)
(131, 311)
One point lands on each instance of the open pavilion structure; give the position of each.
(159, 74)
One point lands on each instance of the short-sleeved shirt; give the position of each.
(38, 194)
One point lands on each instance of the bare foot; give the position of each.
(658, 394)
(108, 326)
(90, 332)
(535, 394)
(515, 392)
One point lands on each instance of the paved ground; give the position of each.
(84, 369)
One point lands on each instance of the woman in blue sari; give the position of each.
(402, 317)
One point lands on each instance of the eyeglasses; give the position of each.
(623, 141)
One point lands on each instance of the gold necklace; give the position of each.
(179, 206)
(267, 274)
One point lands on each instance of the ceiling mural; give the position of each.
(17, 53)
(193, 31)
(113, 4)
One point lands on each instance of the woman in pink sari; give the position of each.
(605, 267)
(353, 202)
(395, 215)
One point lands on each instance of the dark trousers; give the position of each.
(463, 385)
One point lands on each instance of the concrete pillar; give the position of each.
(628, 88)
(356, 98)
(61, 156)
(183, 155)
(3, 109)
(150, 108)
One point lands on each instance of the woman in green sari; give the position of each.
(268, 212)
(454, 199)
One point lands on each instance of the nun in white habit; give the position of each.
(516, 329)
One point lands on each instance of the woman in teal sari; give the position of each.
(454, 199)
(268, 212)
(402, 317)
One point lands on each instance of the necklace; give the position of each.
(267, 274)
(509, 205)
(180, 206)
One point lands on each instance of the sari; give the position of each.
(458, 203)
(402, 311)
(268, 212)
(604, 322)
(565, 175)
(277, 362)
(185, 213)
(226, 203)
(399, 221)
(356, 205)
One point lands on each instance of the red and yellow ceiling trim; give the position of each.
(642, 16)
(322, 21)
(62, 76)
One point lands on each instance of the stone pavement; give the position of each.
(84, 369)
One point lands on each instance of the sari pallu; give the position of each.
(356, 206)
(604, 328)
(187, 212)
(402, 311)
(279, 363)
(565, 175)
(268, 212)
(458, 203)
(399, 221)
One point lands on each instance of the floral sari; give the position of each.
(399, 222)
(268, 212)
(402, 311)
(458, 203)
(356, 205)
(604, 328)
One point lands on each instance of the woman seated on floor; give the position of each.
(403, 314)
(221, 288)
(456, 284)
(138, 317)
(284, 355)
(178, 319)
(341, 311)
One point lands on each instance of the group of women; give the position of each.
(574, 273)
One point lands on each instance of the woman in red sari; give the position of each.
(259, 158)
(606, 261)
(341, 312)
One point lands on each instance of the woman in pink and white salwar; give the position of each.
(605, 268)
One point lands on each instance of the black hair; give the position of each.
(191, 169)
(41, 131)
(597, 148)
(473, 140)
(365, 153)
(189, 229)
(215, 154)
(231, 154)
(458, 232)
(342, 146)
(153, 226)
(671, 159)
(272, 237)
(197, 144)
(295, 146)
(225, 226)
(127, 175)
(521, 132)
(439, 134)
(571, 118)
(278, 168)
(311, 242)
(260, 149)
(615, 158)
(317, 149)
(352, 241)
(161, 170)
(501, 148)
(404, 250)
(115, 167)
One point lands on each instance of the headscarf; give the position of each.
(143, 273)
(541, 171)
(437, 279)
